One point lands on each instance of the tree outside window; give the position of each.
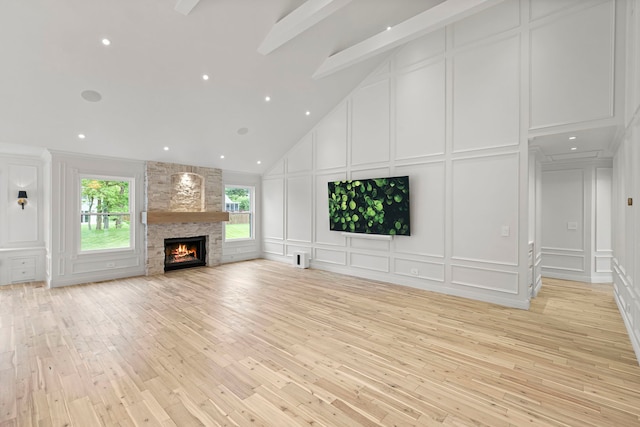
(105, 214)
(239, 204)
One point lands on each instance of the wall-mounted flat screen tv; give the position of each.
(370, 206)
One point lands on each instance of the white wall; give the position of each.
(21, 230)
(535, 221)
(239, 250)
(453, 111)
(68, 266)
(576, 221)
(626, 179)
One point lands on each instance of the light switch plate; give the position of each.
(506, 231)
(572, 225)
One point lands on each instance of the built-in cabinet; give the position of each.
(22, 265)
(22, 236)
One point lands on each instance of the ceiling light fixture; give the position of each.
(258, 162)
(308, 113)
(91, 95)
(267, 98)
(222, 156)
(572, 138)
(81, 136)
(574, 148)
(388, 28)
(166, 148)
(205, 77)
(106, 42)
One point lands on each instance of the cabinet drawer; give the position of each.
(26, 262)
(25, 274)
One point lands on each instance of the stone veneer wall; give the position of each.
(165, 191)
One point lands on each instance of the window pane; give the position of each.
(105, 219)
(239, 205)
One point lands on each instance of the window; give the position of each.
(105, 214)
(238, 202)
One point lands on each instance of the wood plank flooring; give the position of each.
(263, 343)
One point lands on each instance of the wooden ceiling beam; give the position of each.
(424, 23)
(306, 16)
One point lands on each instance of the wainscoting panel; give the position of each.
(323, 234)
(421, 269)
(299, 209)
(570, 260)
(484, 231)
(572, 65)
(420, 117)
(273, 248)
(370, 124)
(331, 140)
(490, 73)
(482, 278)
(273, 208)
(23, 223)
(369, 262)
(330, 256)
(427, 185)
(300, 158)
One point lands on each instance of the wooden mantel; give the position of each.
(165, 217)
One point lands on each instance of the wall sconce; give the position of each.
(22, 198)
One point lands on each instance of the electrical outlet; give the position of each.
(414, 271)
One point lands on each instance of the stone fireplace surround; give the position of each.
(172, 187)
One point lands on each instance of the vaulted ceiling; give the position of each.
(149, 79)
(144, 96)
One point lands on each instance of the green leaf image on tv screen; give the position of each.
(370, 206)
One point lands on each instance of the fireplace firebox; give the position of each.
(185, 252)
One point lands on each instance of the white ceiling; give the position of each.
(588, 143)
(150, 77)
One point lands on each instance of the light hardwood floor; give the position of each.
(263, 343)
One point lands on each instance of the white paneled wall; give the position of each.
(486, 96)
(22, 233)
(576, 221)
(453, 111)
(571, 52)
(626, 184)
(419, 115)
(67, 265)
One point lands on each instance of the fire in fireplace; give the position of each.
(184, 252)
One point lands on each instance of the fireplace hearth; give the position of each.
(185, 252)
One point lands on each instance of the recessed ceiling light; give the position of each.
(574, 148)
(81, 136)
(308, 113)
(267, 98)
(205, 77)
(388, 28)
(258, 162)
(222, 156)
(166, 148)
(572, 137)
(106, 42)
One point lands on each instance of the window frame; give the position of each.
(132, 213)
(252, 213)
